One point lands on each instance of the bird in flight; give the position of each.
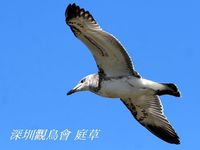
(117, 77)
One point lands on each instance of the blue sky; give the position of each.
(40, 60)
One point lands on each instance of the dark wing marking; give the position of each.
(148, 111)
(110, 56)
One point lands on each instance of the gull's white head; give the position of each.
(88, 83)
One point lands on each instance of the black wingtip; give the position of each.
(74, 10)
(71, 11)
(163, 134)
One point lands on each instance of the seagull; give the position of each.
(117, 77)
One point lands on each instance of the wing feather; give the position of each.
(110, 56)
(148, 111)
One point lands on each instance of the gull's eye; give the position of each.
(82, 81)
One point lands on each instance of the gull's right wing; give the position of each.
(147, 110)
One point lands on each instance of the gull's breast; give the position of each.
(119, 88)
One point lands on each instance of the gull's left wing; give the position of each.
(110, 56)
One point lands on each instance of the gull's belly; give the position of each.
(119, 89)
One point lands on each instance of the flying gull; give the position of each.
(117, 77)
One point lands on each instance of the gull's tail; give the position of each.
(170, 89)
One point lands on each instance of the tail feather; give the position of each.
(171, 89)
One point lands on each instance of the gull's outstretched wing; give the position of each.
(111, 58)
(148, 111)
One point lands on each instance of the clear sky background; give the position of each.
(40, 60)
